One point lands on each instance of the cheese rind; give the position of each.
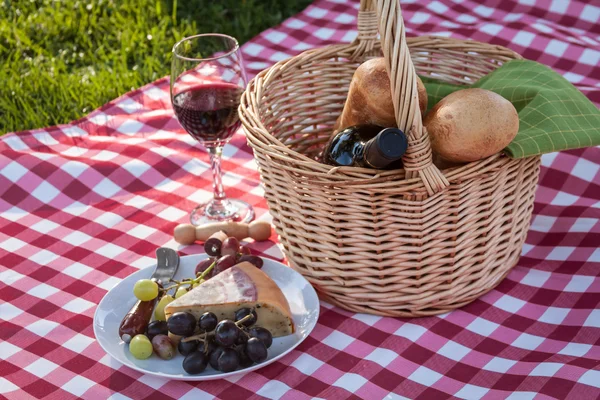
(242, 285)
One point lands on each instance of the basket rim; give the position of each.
(248, 111)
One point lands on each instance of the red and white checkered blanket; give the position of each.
(84, 205)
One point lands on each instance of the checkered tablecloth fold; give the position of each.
(86, 204)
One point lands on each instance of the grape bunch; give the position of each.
(225, 345)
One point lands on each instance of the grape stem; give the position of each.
(246, 318)
(201, 337)
(192, 282)
(204, 336)
(206, 343)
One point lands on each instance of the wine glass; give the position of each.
(207, 80)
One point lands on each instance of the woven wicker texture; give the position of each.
(410, 242)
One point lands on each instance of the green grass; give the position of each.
(61, 59)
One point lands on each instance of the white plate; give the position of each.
(301, 296)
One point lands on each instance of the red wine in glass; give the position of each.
(207, 81)
(208, 111)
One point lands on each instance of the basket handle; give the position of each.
(388, 16)
(368, 25)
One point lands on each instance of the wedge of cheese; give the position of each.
(242, 285)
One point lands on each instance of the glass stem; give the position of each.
(219, 197)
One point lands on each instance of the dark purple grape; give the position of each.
(213, 247)
(156, 328)
(224, 263)
(245, 251)
(230, 247)
(226, 333)
(245, 361)
(243, 312)
(228, 361)
(254, 260)
(263, 334)
(195, 363)
(242, 338)
(256, 350)
(182, 324)
(202, 265)
(207, 322)
(214, 358)
(163, 347)
(186, 348)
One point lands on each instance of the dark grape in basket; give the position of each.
(156, 328)
(263, 334)
(214, 358)
(226, 333)
(245, 361)
(228, 361)
(163, 347)
(256, 350)
(230, 247)
(242, 313)
(182, 324)
(186, 348)
(195, 363)
(224, 263)
(207, 322)
(203, 265)
(254, 260)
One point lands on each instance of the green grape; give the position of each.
(140, 347)
(145, 289)
(159, 311)
(180, 292)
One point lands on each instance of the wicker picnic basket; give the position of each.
(406, 243)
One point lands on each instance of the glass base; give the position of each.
(227, 210)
